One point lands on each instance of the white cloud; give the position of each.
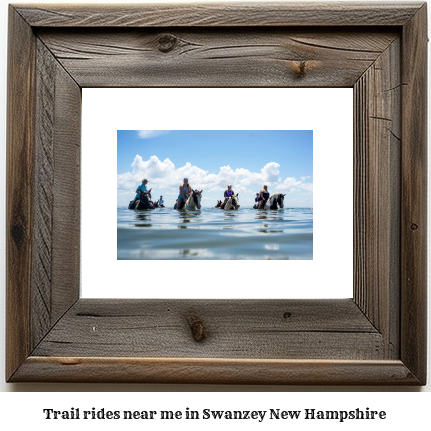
(270, 172)
(164, 175)
(291, 184)
(268, 175)
(147, 134)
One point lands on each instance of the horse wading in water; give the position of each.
(232, 203)
(144, 202)
(194, 201)
(274, 202)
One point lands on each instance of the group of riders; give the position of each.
(262, 197)
(185, 191)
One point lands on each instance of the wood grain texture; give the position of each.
(43, 197)
(215, 371)
(55, 257)
(55, 280)
(377, 146)
(43, 163)
(235, 329)
(414, 195)
(215, 57)
(66, 208)
(220, 14)
(19, 177)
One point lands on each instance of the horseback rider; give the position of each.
(185, 191)
(227, 194)
(161, 202)
(142, 187)
(264, 196)
(256, 201)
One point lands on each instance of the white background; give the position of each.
(328, 112)
(405, 409)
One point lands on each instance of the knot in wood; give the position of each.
(197, 328)
(299, 68)
(287, 314)
(18, 233)
(167, 42)
(414, 226)
(70, 361)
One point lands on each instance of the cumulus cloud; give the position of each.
(270, 172)
(291, 184)
(269, 175)
(165, 175)
(147, 134)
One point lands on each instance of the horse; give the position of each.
(218, 204)
(144, 202)
(232, 203)
(134, 203)
(193, 201)
(275, 200)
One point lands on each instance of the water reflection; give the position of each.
(188, 253)
(141, 216)
(188, 215)
(211, 233)
(272, 246)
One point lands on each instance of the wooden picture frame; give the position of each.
(378, 337)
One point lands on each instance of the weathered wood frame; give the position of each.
(378, 337)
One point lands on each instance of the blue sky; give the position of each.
(212, 159)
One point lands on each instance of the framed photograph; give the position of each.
(375, 337)
(209, 224)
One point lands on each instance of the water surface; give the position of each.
(211, 233)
